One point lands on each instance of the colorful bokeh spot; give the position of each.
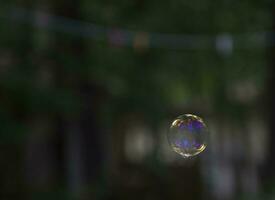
(188, 135)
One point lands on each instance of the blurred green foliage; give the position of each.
(41, 70)
(151, 81)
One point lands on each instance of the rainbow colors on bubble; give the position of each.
(188, 135)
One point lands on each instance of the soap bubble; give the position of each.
(187, 135)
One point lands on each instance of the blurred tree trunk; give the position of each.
(64, 147)
(80, 132)
(271, 104)
(268, 171)
(42, 174)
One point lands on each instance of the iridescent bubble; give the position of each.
(187, 135)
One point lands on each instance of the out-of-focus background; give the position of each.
(89, 88)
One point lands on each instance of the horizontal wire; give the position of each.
(224, 42)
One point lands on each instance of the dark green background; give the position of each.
(72, 104)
